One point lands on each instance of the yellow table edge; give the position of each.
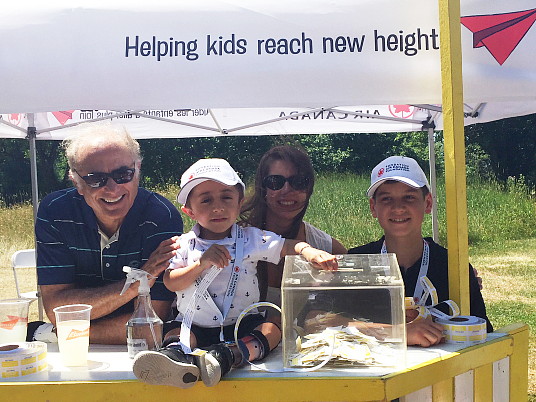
(435, 371)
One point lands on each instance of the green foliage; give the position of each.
(510, 144)
(15, 185)
(413, 145)
(325, 156)
(497, 150)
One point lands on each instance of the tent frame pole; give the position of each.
(31, 136)
(433, 183)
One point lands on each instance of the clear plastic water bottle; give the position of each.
(144, 328)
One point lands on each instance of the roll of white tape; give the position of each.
(23, 358)
(462, 329)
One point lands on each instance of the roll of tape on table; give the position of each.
(23, 358)
(464, 329)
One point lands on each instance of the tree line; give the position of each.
(499, 151)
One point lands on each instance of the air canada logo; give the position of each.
(499, 33)
(381, 172)
(402, 111)
(15, 118)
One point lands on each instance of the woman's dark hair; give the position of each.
(254, 209)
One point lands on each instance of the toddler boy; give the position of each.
(212, 195)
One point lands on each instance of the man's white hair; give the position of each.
(98, 135)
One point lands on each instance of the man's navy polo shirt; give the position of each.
(68, 241)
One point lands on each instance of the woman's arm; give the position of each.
(319, 258)
(337, 247)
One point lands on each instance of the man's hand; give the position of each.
(159, 259)
(424, 333)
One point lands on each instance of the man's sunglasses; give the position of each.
(276, 182)
(99, 179)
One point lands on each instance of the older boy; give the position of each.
(399, 197)
(212, 195)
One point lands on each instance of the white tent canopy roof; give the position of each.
(174, 123)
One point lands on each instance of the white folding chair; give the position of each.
(26, 259)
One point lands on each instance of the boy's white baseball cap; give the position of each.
(207, 169)
(398, 168)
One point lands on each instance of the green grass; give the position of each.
(340, 207)
(502, 237)
(506, 312)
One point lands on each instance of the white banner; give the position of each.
(172, 123)
(117, 55)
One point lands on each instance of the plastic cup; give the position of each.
(72, 329)
(13, 320)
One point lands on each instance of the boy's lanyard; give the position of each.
(201, 290)
(425, 261)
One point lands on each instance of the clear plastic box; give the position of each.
(353, 317)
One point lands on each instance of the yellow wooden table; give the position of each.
(494, 370)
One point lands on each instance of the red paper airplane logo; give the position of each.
(63, 116)
(499, 33)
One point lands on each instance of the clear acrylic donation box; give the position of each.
(352, 317)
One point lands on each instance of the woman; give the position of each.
(283, 186)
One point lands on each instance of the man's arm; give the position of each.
(104, 299)
(112, 330)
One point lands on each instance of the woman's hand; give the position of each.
(319, 258)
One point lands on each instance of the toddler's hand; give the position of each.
(216, 255)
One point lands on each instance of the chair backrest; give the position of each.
(27, 259)
(24, 259)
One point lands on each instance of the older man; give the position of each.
(86, 234)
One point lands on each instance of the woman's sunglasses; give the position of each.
(99, 179)
(276, 182)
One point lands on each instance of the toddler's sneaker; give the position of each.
(168, 366)
(214, 362)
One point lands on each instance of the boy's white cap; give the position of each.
(207, 169)
(398, 168)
